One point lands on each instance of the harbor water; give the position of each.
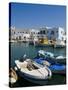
(17, 50)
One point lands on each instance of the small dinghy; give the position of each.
(53, 66)
(33, 72)
(61, 59)
(12, 76)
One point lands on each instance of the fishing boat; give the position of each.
(12, 76)
(61, 59)
(58, 68)
(45, 53)
(43, 42)
(59, 44)
(33, 72)
(52, 65)
(51, 57)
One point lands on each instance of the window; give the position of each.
(62, 32)
(65, 41)
(52, 32)
(24, 37)
(26, 32)
(44, 32)
(19, 37)
(47, 31)
(14, 32)
(41, 32)
(62, 38)
(16, 38)
(38, 32)
(56, 31)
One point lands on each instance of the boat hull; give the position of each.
(55, 68)
(62, 72)
(33, 80)
(61, 61)
(39, 76)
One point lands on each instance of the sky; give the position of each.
(25, 15)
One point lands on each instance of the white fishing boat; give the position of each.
(33, 72)
(45, 53)
(60, 57)
(60, 44)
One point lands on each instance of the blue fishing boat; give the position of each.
(53, 66)
(57, 68)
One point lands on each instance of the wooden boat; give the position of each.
(33, 72)
(12, 76)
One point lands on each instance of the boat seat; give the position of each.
(21, 64)
(28, 67)
(24, 70)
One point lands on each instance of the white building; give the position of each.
(57, 34)
(18, 34)
(52, 33)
